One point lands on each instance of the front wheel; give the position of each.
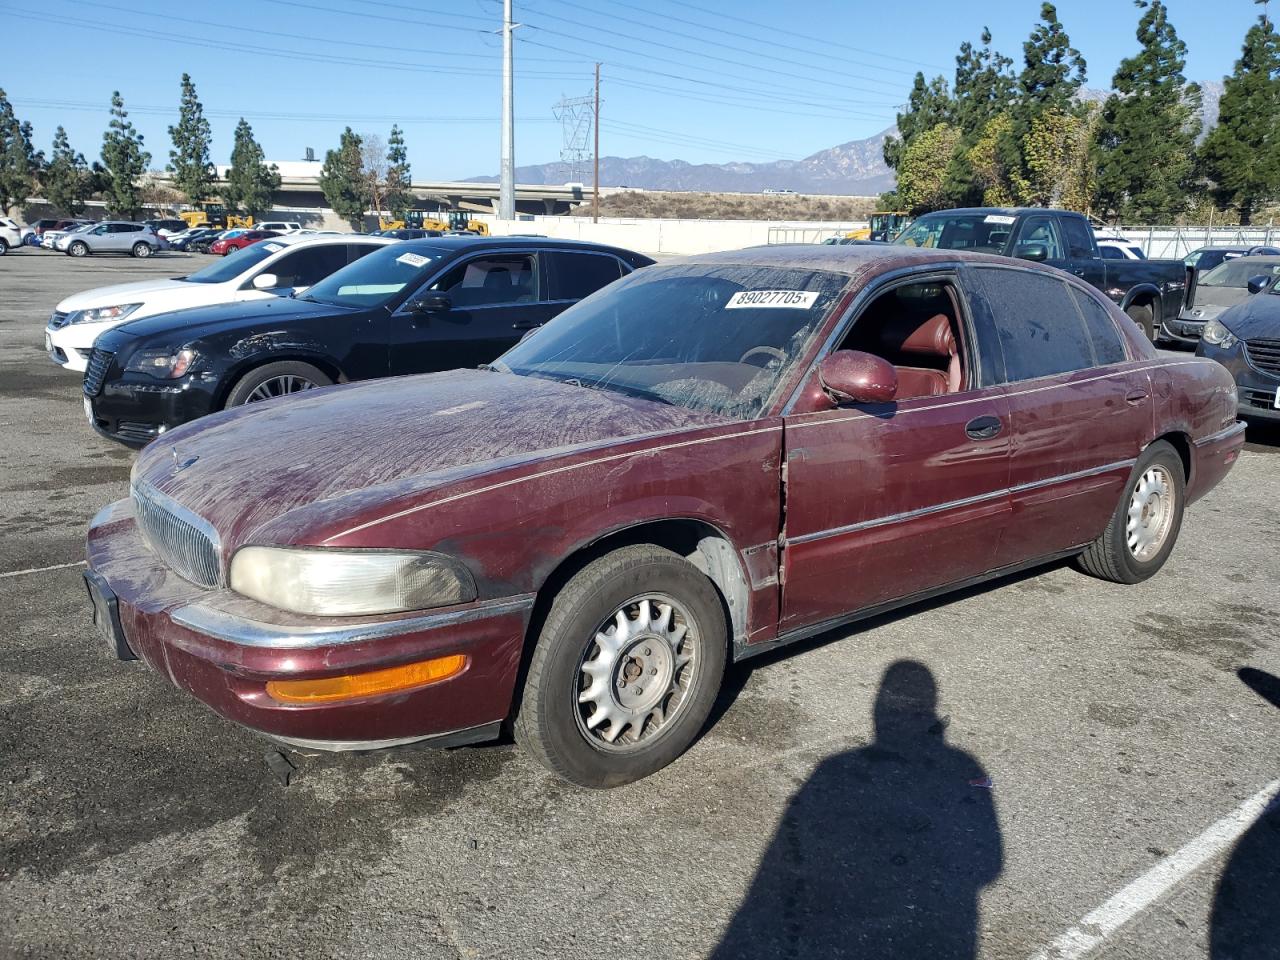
(273, 380)
(1144, 316)
(142, 250)
(1142, 531)
(78, 249)
(4, 246)
(625, 669)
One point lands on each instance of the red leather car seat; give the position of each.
(924, 354)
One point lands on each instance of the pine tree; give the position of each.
(1241, 155)
(124, 159)
(66, 179)
(983, 88)
(1053, 70)
(928, 106)
(251, 183)
(193, 171)
(20, 162)
(397, 195)
(1145, 151)
(342, 180)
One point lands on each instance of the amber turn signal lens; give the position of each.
(352, 686)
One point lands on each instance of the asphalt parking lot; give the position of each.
(1085, 737)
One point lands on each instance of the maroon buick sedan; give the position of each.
(709, 458)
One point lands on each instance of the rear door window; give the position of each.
(1031, 319)
(578, 275)
(306, 267)
(1108, 347)
(1080, 242)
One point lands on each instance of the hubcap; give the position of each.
(1150, 513)
(636, 672)
(278, 387)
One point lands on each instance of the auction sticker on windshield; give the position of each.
(792, 299)
(273, 247)
(413, 259)
(1000, 218)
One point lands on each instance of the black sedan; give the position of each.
(1246, 340)
(414, 307)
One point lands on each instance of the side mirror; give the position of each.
(851, 376)
(431, 303)
(1032, 251)
(1259, 283)
(266, 281)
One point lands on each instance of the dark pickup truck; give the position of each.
(1149, 291)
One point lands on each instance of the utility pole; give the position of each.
(507, 183)
(595, 195)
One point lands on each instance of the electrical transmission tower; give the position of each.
(577, 121)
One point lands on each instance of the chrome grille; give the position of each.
(1264, 354)
(186, 543)
(57, 320)
(96, 371)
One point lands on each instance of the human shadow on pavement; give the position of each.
(884, 851)
(1246, 905)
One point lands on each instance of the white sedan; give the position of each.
(275, 267)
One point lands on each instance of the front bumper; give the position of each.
(223, 649)
(69, 345)
(134, 408)
(1184, 329)
(1257, 389)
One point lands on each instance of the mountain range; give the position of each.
(855, 168)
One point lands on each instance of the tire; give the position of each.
(1144, 317)
(259, 381)
(229, 251)
(78, 249)
(1113, 556)
(556, 726)
(142, 250)
(4, 246)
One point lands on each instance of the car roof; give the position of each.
(320, 239)
(1223, 249)
(848, 259)
(456, 243)
(1002, 211)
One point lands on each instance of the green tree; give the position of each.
(66, 179)
(20, 162)
(1052, 71)
(1059, 165)
(193, 171)
(342, 179)
(999, 185)
(397, 195)
(1241, 155)
(923, 166)
(1145, 149)
(251, 182)
(124, 160)
(928, 106)
(983, 88)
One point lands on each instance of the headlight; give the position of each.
(331, 583)
(1218, 335)
(98, 314)
(164, 364)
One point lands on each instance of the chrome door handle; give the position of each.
(1135, 396)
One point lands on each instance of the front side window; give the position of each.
(490, 281)
(1040, 231)
(1033, 321)
(1110, 253)
(721, 339)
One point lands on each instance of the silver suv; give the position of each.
(113, 236)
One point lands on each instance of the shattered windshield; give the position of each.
(714, 338)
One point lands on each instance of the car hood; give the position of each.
(297, 469)
(1256, 317)
(120, 293)
(199, 321)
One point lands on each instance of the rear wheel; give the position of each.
(229, 251)
(625, 669)
(1142, 531)
(78, 249)
(1144, 317)
(276, 380)
(142, 250)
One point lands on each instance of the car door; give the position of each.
(890, 501)
(494, 298)
(1079, 406)
(121, 237)
(1083, 258)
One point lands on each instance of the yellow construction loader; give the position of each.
(885, 225)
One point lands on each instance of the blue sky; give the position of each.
(698, 80)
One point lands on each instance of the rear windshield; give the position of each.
(230, 267)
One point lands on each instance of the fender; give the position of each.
(1141, 290)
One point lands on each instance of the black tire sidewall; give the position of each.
(78, 250)
(280, 368)
(1145, 318)
(1139, 570)
(569, 632)
(141, 246)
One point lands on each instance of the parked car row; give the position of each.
(571, 533)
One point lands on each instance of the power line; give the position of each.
(689, 140)
(722, 102)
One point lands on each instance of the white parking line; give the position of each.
(56, 566)
(1097, 926)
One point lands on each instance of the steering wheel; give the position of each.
(769, 351)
